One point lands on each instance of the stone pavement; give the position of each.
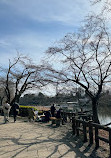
(24, 139)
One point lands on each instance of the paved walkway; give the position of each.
(37, 140)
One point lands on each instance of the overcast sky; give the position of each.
(31, 26)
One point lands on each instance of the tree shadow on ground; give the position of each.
(73, 143)
(76, 143)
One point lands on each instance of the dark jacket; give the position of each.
(15, 108)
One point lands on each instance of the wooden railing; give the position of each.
(93, 130)
(84, 115)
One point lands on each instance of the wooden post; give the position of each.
(96, 138)
(90, 133)
(85, 132)
(74, 125)
(110, 142)
(77, 126)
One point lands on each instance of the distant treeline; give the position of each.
(41, 99)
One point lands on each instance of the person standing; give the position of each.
(15, 110)
(52, 109)
(58, 115)
(6, 110)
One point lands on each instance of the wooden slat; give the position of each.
(103, 139)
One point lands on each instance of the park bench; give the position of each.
(55, 121)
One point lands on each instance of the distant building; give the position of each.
(68, 105)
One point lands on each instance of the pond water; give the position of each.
(104, 118)
(104, 115)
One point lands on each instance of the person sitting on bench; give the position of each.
(47, 116)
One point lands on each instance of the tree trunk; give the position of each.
(15, 99)
(94, 109)
(2, 100)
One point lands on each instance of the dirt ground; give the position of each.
(24, 139)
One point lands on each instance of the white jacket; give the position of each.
(6, 108)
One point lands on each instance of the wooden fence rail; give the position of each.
(93, 130)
